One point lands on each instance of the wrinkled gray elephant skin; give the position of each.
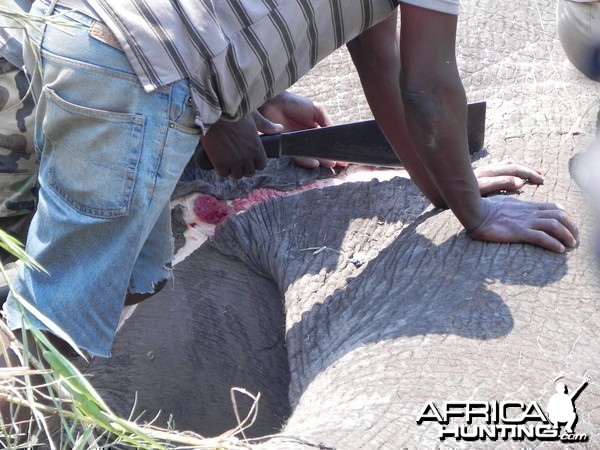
(157, 356)
(351, 307)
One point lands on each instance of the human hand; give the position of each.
(507, 219)
(289, 112)
(506, 176)
(234, 148)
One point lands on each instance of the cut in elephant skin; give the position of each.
(346, 354)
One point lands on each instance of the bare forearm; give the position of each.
(420, 105)
(436, 117)
(436, 109)
(376, 56)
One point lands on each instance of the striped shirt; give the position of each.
(237, 54)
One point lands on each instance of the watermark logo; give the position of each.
(508, 420)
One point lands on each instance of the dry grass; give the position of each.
(52, 403)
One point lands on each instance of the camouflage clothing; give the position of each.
(18, 165)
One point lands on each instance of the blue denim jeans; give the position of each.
(110, 156)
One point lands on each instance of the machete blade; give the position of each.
(359, 142)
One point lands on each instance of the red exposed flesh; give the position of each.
(210, 210)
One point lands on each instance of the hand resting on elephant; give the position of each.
(547, 225)
(413, 87)
(544, 224)
(507, 176)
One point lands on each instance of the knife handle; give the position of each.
(271, 144)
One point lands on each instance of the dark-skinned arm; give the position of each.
(376, 55)
(436, 109)
(426, 125)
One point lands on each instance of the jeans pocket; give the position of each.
(90, 156)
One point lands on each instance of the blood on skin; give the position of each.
(210, 209)
(254, 197)
(213, 211)
(203, 212)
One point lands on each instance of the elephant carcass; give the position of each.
(221, 323)
(353, 306)
(429, 315)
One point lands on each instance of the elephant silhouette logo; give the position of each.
(561, 407)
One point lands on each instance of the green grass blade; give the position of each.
(16, 248)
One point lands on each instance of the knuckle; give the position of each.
(561, 216)
(556, 206)
(555, 225)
